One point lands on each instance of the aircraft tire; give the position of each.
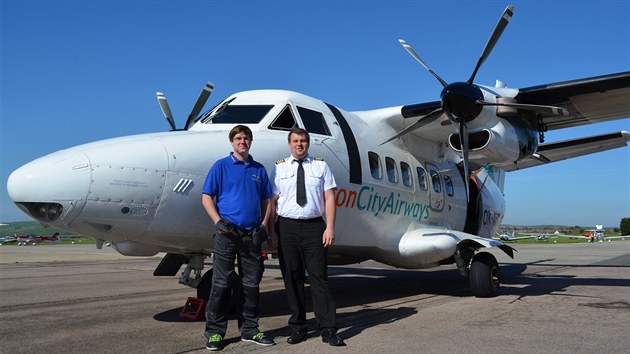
(484, 276)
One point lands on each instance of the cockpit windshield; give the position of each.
(227, 113)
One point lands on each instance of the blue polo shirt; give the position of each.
(239, 188)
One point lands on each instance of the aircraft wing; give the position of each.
(567, 149)
(616, 237)
(590, 100)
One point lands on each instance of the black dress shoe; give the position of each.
(330, 336)
(296, 338)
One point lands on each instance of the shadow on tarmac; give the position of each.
(368, 287)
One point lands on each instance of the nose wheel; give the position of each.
(484, 275)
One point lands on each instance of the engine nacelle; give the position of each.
(503, 143)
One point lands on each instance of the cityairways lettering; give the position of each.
(366, 199)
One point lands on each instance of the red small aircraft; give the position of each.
(39, 239)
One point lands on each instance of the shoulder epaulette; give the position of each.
(318, 158)
(279, 161)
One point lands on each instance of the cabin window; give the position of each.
(238, 114)
(314, 122)
(285, 120)
(405, 172)
(435, 179)
(422, 178)
(448, 186)
(392, 172)
(375, 165)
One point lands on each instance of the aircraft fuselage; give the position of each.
(142, 193)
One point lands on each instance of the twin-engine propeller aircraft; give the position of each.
(419, 185)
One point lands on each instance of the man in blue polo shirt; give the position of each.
(235, 195)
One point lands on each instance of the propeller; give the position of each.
(463, 101)
(166, 109)
(460, 101)
(494, 38)
(201, 101)
(429, 118)
(417, 57)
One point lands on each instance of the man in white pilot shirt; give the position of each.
(300, 200)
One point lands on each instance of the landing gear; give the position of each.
(484, 275)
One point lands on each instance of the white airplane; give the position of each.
(591, 235)
(511, 237)
(419, 185)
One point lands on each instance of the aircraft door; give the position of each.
(325, 132)
(436, 187)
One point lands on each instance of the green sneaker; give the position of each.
(259, 339)
(215, 342)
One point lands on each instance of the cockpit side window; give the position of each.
(314, 122)
(285, 120)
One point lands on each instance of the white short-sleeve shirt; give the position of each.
(318, 179)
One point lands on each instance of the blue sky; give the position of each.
(76, 71)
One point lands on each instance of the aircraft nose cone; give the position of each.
(50, 188)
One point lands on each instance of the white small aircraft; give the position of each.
(591, 235)
(511, 237)
(419, 185)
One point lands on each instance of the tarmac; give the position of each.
(555, 298)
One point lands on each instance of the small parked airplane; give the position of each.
(7, 239)
(419, 185)
(591, 235)
(39, 239)
(511, 237)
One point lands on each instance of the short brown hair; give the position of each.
(241, 129)
(299, 131)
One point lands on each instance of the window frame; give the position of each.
(374, 157)
(390, 162)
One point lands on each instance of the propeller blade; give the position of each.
(201, 101)
(463, 138)
(494, 38)
(549, 110)
(417, 57)
(429, 118)
(166, 110)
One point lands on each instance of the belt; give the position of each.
(317, 219)
(244, 232)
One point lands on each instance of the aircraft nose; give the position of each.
(52, 188)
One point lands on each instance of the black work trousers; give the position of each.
(226, 248)
(300, 248)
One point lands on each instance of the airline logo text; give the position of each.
(366, 199)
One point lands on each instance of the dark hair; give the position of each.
(299, 131)
(241, 129)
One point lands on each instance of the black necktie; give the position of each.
(300, 195)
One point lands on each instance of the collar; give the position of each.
(237, 161)
(308, 158)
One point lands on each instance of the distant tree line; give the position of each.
(624, 226)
